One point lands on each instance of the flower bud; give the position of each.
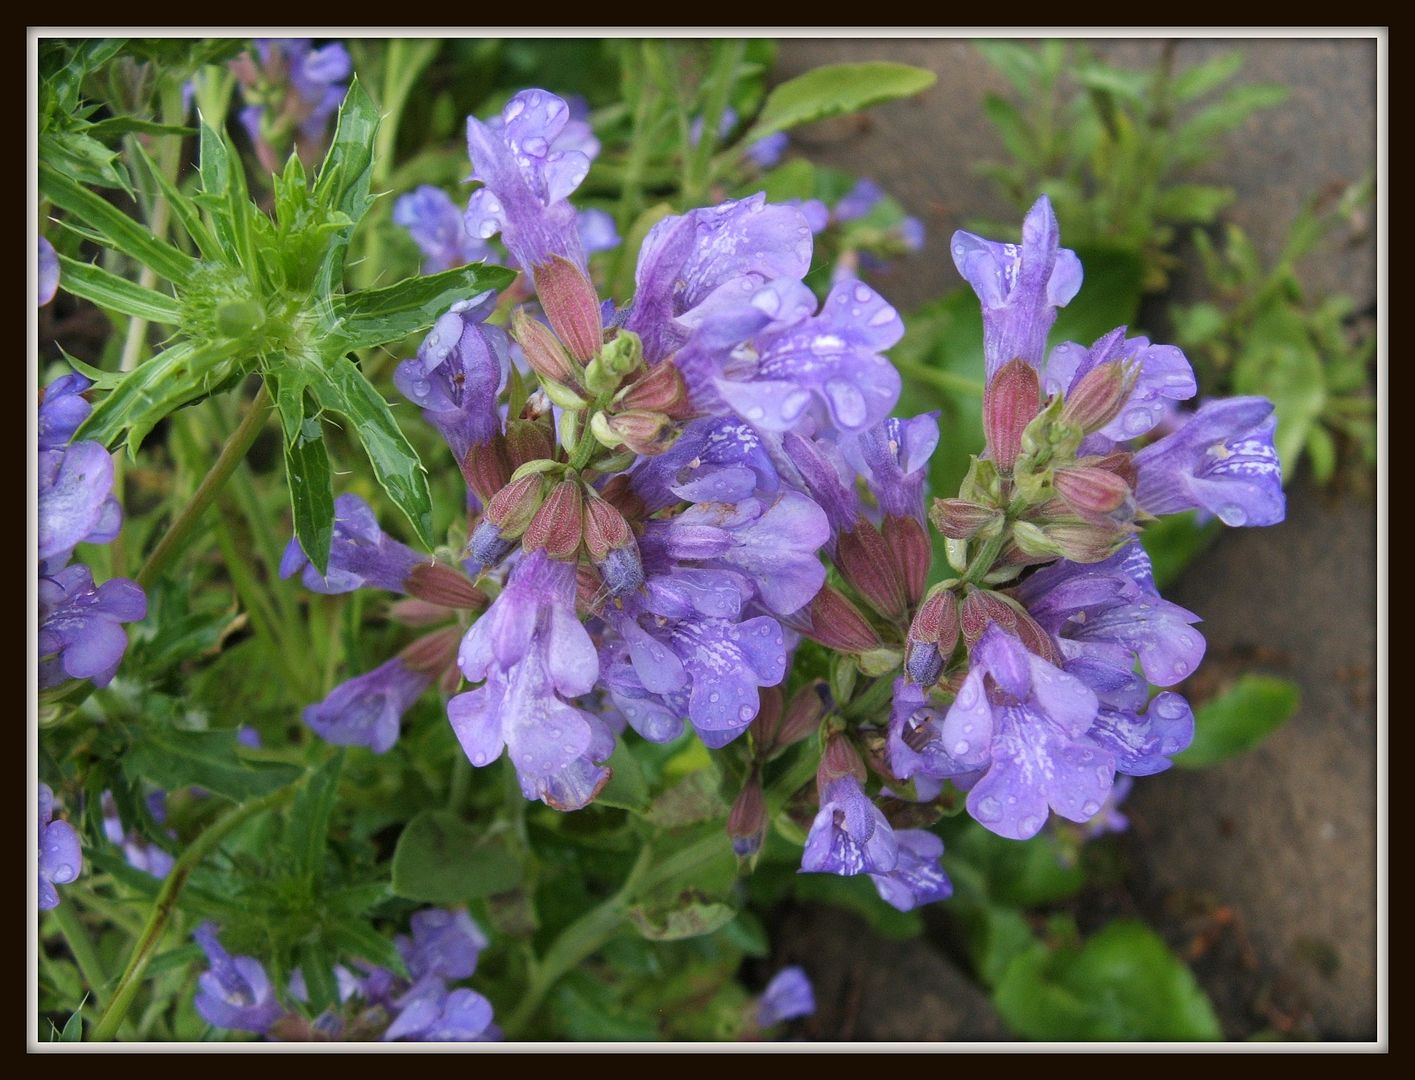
(1079, 541)
(959, 519)
(558, 524)
(911, 552)
(571, 305)
(414, 612)
(528, 440)
(766, 725)
(619, 492)
(661, 389)
(439, 584)
(746, 822)
(1009, 403)
(543, 350)
(487, 467)
(643, 432)
(804, 713)
(511, 509)
(981, 608)
(837, 624)
(1098, 395)
(864, 561)
(1037, 640)
(434, 653)
(619, 358)
(1092, 492)
(933, 635)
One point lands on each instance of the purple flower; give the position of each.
(917, 877)
(893, 457)
(48, 272)
(139, 853)
(62, 408)
(716, 459)
(530, 652)
(1020, 286)
(362, 555)
(1109, 819)
(766, 152)
(234, 992)
(80, 625)
(914, 746)
(849, 835)
(1164, 377)
(460, 369)
(787, 997)
(438, 228)
(527, 178)
(859, 201)
(597, 231)
(911, 233)
(1024, 721)
(439, 1015)
(713, 261)
(367, 710)
(60, 858)
(75, 501)
(445, 943)
(831, 359)
(1222, 460)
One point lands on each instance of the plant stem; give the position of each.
(576, 942)
(942, 380)
(166, 903)
(66, 918)
(232, 453)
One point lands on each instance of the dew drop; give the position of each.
(1136, 421)
(1030, 824)
(988, 809)
(1233, 515)
(1091, 809)
(960, 748)
(745, 713)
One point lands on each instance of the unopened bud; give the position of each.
(1098, 395)
(605, 527)
(911, 552)
(1079, 541)
(543, 350)
(1010, 402)
(488, 546)
(1091, 491)
(837, 624)
(415, 612)
(1037, 640)
(660, 389)
(803, 714)
(487, 467)
(981, 608)
(840, 759)
(528, 440)
(766, 725)
(923, 663)
(439, 584)
(619, 492)
(619, 358)
(643, 432)
(511, 509)
(959, 519)
(572, 307)
(864, 561)
(746, 822)
(936, 622)
(559, 523)
(434, 653)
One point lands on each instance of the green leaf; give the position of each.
(84, 159)
(858, 894)
(1017, 63)
(1281, 365)
(358, 939)
(627, 789)
(225, 197)
(1124, 984)
(1210, 75)
(442, 860)
(130, 125)
(172, 758)
(1026, 873)
(186, 212)
(379, 316)
(307, 825)
(1194, 141)
(1192, 204)
(1239, 719)
(346, 175)
(73, 1028)
(690, 916)
(835, 90)
(117, 229)
(1174, 541)
(341, 388)
(117, 294)
(1011, 126)
(308, 474)
(317, 966)
(795, 179)
(692, 800)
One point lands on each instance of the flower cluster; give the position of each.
(81, 634)
(60, 858)
(236, 993)
(292, 90)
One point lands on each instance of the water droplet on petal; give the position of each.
(1091, 809)
(987, 809)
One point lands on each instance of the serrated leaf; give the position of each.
(1124, 984)
(84, 159)
(114, 293)
(341, 388)
(379, 316)
(346, 176)
(835, 90)
(442, 860)
(225, 197)
(307, 474)
(117, 229)
(689, 918)
(1239, 719)
(172, 758)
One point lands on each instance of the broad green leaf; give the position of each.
(586, 1010)
(692, 800)
(795, 179)
(73, 1028)
(341, 388)
(118, 294)
(379, 316)
(1123, 984)
(442, 860)
(1239, 719)
(835, 90)
(172, 758)
(690, 917)
(627, 788)
(117, 229)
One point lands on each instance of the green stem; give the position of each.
(236, 448)
(865, 704)
(580, 939)
(698, 173)
(942, 380)
(983, 560)
(66, 918)
(166, 903)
